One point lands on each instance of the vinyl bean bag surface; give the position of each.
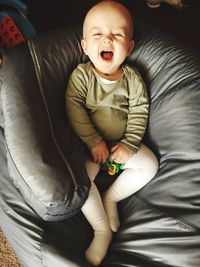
(43, 182)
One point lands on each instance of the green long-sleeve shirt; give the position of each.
(115, 112)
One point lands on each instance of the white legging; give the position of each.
(103, 215)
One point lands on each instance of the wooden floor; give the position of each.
(7, 256)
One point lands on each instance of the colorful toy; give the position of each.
(112, 166)
(14, 25)
(9, 33)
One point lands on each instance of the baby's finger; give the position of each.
(114, 156)
(94, 157)
(114, 148)
(99, 158)
(105, 156)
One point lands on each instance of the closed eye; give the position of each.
(118, 35)
(97, 34)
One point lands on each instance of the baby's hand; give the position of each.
(120, 153)
(100, 152)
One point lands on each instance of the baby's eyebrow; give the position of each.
(88, 32)
(95, 28)
(123, 29)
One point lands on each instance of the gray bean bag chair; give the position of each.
(43, 182)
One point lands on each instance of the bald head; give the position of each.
(108, 9)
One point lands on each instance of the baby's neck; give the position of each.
(111, 77)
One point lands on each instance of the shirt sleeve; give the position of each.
(75, 99)
(137, 114)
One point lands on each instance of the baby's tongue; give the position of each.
(107, 55)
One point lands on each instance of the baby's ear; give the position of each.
(131, 46)
(83, 44)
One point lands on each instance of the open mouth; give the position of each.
(106, 55)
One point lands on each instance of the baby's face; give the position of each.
(107, 38)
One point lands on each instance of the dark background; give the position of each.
(183, 24)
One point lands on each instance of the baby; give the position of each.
(107, 106)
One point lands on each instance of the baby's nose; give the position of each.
(107, 39)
